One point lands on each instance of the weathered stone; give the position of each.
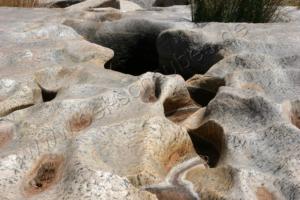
(71, 129)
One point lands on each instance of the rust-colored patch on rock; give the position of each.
(263, 194)
(6, 133)
(295, 119)
(175, 158)
(80, 121)
(46, 173)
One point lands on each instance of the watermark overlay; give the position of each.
(110, 102)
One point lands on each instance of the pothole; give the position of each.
(48, 95)
(178, 108)
(203, 88)
(45, 173)
(208, 141)
(135, 53)
(186, 53)
(80, 121)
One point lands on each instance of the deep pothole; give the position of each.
(48, 95)
(208, 141)
(203, 88)
(135, 54)
(141, 45)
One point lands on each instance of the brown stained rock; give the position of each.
(211, 182)
(260, 144)
(179, 107)
(295, 118)
(291, 111)
(175, 158)
(252, 86)
(295, 113)
(262, 193)
(45, 173)
(6, 133)
(80, 121)
(182, 114)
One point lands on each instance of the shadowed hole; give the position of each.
(204, 88)
(178, 108)
(64, 4)
(208, 141)
(48, 95)
(137, 54)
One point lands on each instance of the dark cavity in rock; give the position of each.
(208, 141)
(48, 95)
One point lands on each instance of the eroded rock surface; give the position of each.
(71, 129)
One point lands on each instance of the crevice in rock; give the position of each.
(48, 95)
(21, 107)
(150, 90)
(208, 141)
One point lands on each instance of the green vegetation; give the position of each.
(256, 11)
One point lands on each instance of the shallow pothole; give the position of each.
(46, 172)
(79, 122)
